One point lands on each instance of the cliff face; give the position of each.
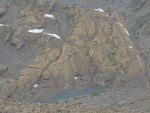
(55, 48)
(137, 16)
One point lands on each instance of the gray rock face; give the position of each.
(105, 4)
(137, 16)
(3, 68)
(2, 10)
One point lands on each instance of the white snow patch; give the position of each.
(130, 47)
(124, 29)
(49, 16)
(3, 25)
(75, 77)
(53, 35)
(35, 85)
(99, 9)
(36, 31)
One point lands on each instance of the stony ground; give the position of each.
(10, 107)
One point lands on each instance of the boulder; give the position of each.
(2, 10)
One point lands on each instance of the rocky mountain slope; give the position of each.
(51, 47)
(48, 48)
(105, 4)
(137, 19)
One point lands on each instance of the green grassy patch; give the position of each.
(95, 94)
